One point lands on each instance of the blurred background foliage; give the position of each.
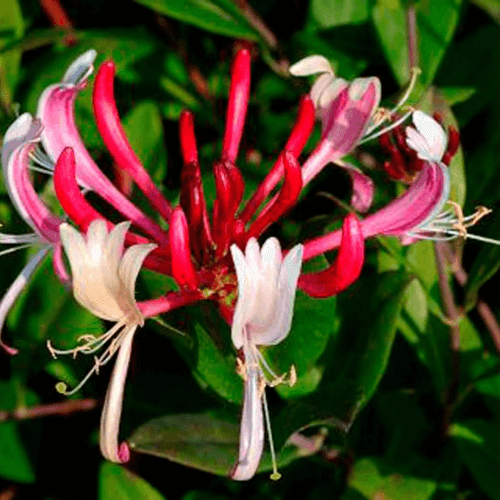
(398, 393)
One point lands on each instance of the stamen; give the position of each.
(91, 345)
(415, 73)
(275, 475)
(14, 249)
(397, 123)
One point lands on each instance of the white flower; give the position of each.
(263, 316)
(104, 283)
(429, 139)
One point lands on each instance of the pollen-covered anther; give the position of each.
(462, 222)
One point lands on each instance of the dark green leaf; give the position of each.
(216, 16)
(329, 13)
(118, 483)
(485, 266)
(478, 442)
(201, 441)
(312, 327)
(436, 22)
(144, 130)
(375, 479)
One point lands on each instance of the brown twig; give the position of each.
(257, 23)
(482, 307)
(411, 25)
(9, 493)
(63, 408)
(453, 314)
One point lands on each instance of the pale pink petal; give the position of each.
(20, 140)
(252, 422)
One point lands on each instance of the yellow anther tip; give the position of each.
(275, 476)
(61, 387)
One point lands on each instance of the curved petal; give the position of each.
(56, 111)
(311, 65)
(20, 140)
(279, 328)
(252, 423)
(237, 105)
(113, 135)
(429, 140)
(363, 188)
(112, 410)
(239, 312)
(346, 268)
(16, 288)
(414, 209)
(130, 266)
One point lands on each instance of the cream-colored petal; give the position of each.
(311, 65)
(130, 266)
(75, 248)
(97, 235)
(114, 248)
(112, 410)
(280, 326)
(433, 133)
(239, 310)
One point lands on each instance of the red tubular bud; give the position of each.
(237, 105)
(453, 144)
(187, 138)
(192, 201)
(183, 269)
(288, 195)
(295, 144)
(237, 186)
(346, 268)
(393, 170)
(113, 135)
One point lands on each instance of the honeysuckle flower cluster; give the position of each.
(202, 246)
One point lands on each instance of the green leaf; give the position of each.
(478, 442)
(118, 483)
(12, 24)
(329, 13)
(359, 356)
(14, 462)
(198, 440)
(486, 265)
(201, 441)
(312, 327)
(436, 22)
(375, 479)
(491, 7)
(218, 371)
(216, 16)
(364, 342)
(144, 130)
(456, 95)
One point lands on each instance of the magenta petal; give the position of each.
(56, 111)
(362, 188)
(411, 212)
